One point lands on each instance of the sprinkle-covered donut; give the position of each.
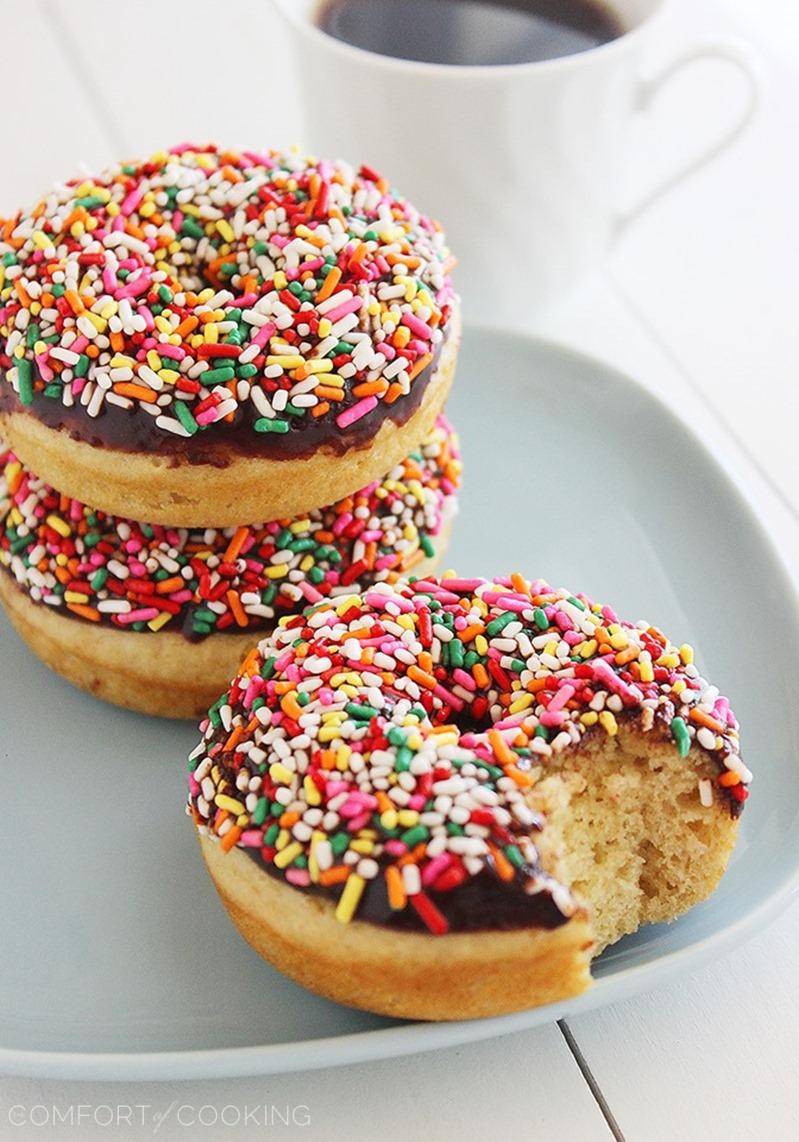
(206, 305)
(382, 751)
(74, 561)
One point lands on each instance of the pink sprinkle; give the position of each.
(142, 615)
(298, 876)
(351, 306)
(420, 328)
(359, 410)
(433, 869)
(563, 695)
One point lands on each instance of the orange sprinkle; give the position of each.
(704, 719)
(167, 586)
(502, 752)
(729, 779)
(239, 614)
(230, 838)
(234, 739)
(503, 866)
(395, 888)
(329, 284)
(85, 612)
(289, 705)
(136, 392)
(422, 678)
(335, 875)
(235, 545)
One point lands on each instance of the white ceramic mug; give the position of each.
(520, 162)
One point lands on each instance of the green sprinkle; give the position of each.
(265, 424)
(271, 834)
(361, 713)
(339, 843)
(540, 619)
(185, 417)
(268, 668)
(259, 812)
(681, 736)
(497, 625)
(414, 836)
(426, 544)
(218, 376)
(98, 579)
(25, 376)
(192, 229)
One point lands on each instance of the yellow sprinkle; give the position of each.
(521, 703)
(551, 647)
(277, 571)
(280, 280)
(285, 360)
(299, 525)
(343, 754)
(408, 818)
(229, 803)
(587, 649)
(670, 660)
(41, 240)
(59, 525)
(362, 845)
(608, 723)
(280, 773)
(75, 597)
(226, 230)
(481, 644)
(589, 718)
(619, 641)
(327, 733)
(645, 667)
(325, 325)
(388, 819)
(154, 361)
(686, 654)
(323, 366)
(283, 838)
(160, 621)
(350, 898)
(285, 857)
(312, 794)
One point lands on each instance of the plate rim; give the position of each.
(407, 1038)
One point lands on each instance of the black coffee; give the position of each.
(470, 31)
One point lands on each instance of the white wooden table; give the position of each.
(700, 303)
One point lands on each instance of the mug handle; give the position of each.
(742, 58)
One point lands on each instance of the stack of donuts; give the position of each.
(222, 380)
(226, 478)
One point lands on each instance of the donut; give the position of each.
(157, 619)
(436, 799)
(211, 336)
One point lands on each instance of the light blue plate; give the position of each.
(116, 958)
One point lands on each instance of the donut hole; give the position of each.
(632, 836)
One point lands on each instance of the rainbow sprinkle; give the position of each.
(385, 742)
(205, 287)
(145, 577)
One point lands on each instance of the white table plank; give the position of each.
(521, 1087)
(228, 79)
(712, 1057)
(49, 129)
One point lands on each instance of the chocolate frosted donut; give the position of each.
(158, 618)
(211, 336)
(501, 764)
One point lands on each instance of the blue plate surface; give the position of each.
(117, 960)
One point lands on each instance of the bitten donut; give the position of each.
(157, 619)
(436, 799)
(211, 336)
